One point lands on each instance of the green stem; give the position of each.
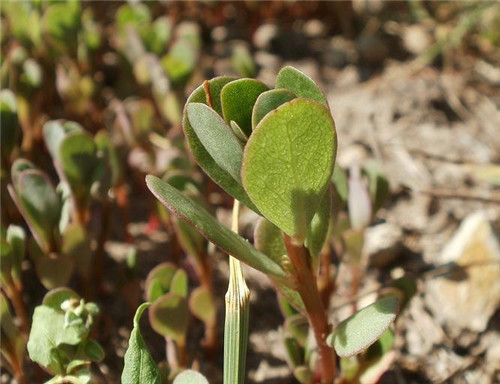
(316, 313)
(237, 315)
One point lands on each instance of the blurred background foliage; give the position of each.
(91, 101)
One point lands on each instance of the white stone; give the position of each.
(467, 299)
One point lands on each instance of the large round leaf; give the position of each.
(288, 162)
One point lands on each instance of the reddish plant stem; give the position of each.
(316, 313)
(17, 302)
(326, 285)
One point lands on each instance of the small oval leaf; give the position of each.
(238, 98)
(268, 101)
(300, 84)
(362, 329)
(268, 240)
(179, 283)
(169, 317)
(202, 305)
(158, 281)
(190, 377)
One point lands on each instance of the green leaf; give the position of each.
(298, 327)
(303, 374)
(211, 229)
(54, 131)
(217, 138)
(294, 352)
(378, 359)
(159, 280)
(9, 126)
(16, 237)
(56, 297)
(106, 147)
(180, 62)
(268, 101)
(38, 202)
(362, 329)
(140, 367)
(133, 14)
(190, 241)
(318, 228)
(242, 61)
(190, 377)
(204, 159)
(288, 162)
(268, 240)
(238, 132)
(62, 21)
(380, 347)
(238, 98)
(76, 245)
(54, 271)
(169, 316)
(6, 263)
(47, 334)
(79, 163)
(339, 181)
(179, 283)
(93, 351)
(10, 335)
(300, 84)
(202, 305)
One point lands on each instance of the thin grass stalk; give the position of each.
(237, 315)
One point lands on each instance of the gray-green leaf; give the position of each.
(300, 84)
(362, 329)
(140, 368)
(211, 229)
(204, 159)
(48, 332)
(190, 377)
(217, 138)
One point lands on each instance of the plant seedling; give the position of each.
(13, 344)
(59, 339)
(167, 289)
(274, 150)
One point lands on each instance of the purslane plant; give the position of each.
(274, 150)
(59, 339)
